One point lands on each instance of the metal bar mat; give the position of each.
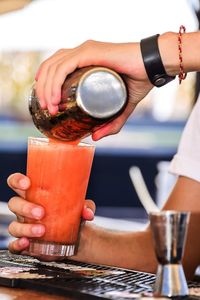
(70, 278)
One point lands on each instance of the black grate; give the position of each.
(70, 278)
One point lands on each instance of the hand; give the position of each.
(123, 58)
(23, 208)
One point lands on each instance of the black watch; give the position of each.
(153, 62)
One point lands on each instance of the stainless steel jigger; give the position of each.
(169, 230)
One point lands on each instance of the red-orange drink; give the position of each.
(59, 174)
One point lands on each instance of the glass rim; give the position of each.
(45, 140)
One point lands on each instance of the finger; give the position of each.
(25, 208)
(48, 60)
(18, 183)
(114, 126)
(18, 245)
(67, 66)
(51, 100)
(58, 53)
(17, 229)
(88, 210)
(72, 59)
(91, 205)
(42, 76)
(39, 86)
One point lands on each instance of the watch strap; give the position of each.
(153, 62)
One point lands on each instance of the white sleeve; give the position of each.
(187, 160)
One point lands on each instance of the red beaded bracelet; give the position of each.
(182, 75)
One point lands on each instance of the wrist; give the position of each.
(168, 47)
(153, 61)
(134, 60)
(84, 252)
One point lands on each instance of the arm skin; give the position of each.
(135, 250)
(129, 250)
(124, 58)
(132, 250)
(168, 46)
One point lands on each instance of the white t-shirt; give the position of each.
(187, 160)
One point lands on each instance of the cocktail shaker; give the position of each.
(90, 97)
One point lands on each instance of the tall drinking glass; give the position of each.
(59, 174)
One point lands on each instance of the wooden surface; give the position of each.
(19, 294)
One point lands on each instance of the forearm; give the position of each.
(168, 46)
(185, 197)
(135, 250)
(132, 250)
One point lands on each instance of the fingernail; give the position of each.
(37, 212)
(23, 242)
(90, 213)
(53, 110)
(43, 105)
(95, 137)
(90, 210)
(23, 183)
(37, 230)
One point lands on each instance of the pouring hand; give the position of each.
(124, 58)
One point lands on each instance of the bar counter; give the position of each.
(18, 294)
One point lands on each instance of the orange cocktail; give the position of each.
(59, 174)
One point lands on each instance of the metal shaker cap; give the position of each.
(101, 93)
